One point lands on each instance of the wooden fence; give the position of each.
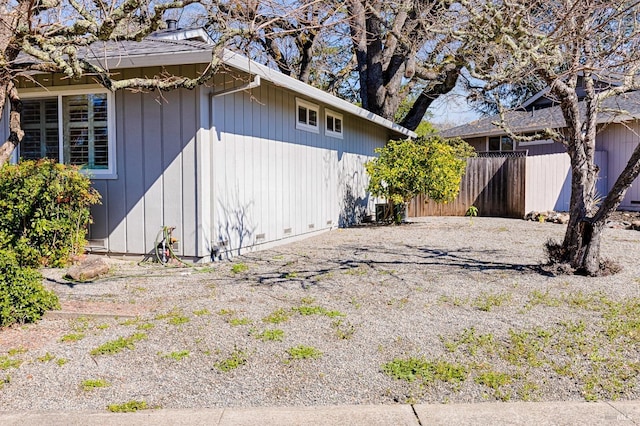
(495, 185)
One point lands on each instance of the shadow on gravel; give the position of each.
(353, 258)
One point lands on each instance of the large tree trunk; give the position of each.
(581, 245)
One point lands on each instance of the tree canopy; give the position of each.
(571, 46)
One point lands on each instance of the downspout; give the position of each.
(218, 247)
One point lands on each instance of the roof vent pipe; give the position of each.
(172, 24)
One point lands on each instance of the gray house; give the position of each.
(250, 160)
(548, 171)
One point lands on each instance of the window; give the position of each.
(72, 128)
(334, 124)
(501, 143)
(307, 116)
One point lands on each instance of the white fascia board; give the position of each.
(155, 60)
(245, 64)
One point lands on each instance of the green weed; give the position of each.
(238, 321)
(410, 369)
(72, 337)
(271, 335)
(344, 329)
(116, 346)
(91, 384)
(6, 363)
(17, 351)
(178, 355)
(61, 361)
(201, 312)
(304, 352)
(276, 317)
(128, 407)
(237, 359)
(487, 301)
(239, 267)
(46, 357)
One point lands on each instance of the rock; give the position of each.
(635, 225)
(88, 269)
(562, 218)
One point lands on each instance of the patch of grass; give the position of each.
(91, 384)
(128, 407)
(358, 271)
(17, 351)
(226, 312)
(46, 357)
(178, 355)
(130, 321)
(7, 363)
(524, 348)
(116, 346)
(452, 300)
(61, 361)
(487, 301)
(5, 381)
(72, 337)
(291, 275)
(178, 320)
(344, 329)
(278, 316)
(201, 312)
(80, 324)
(307, 300)
(145, 326)
(495, 380)
(471, 342)
(237, 359)
(274, 334)
(102, 326)
(537, 297)
(354, 302)
(234, 322)
(304, 352)
(307, 310)
(239, 267)
(410, 369)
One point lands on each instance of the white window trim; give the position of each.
(310, 107)
(333, 134)
(85, 89)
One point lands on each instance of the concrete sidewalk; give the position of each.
(517, 413)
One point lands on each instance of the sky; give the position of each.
(452, 110)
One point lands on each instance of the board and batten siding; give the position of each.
(156, 185)
(272, 181)
(619, 140)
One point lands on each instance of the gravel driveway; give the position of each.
(439, 310)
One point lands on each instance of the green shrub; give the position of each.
(23, 298)
(44, 211)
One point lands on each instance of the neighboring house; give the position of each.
(253, 159)
(548, 168)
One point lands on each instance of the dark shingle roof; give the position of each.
(617, 109)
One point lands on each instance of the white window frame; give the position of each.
(335, 116)
(300, 103)
(89, 89)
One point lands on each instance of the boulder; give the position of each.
(635, 225)
(88, 269)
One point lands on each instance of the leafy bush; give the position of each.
(429, 165)
(44, 211)
(23, 298)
